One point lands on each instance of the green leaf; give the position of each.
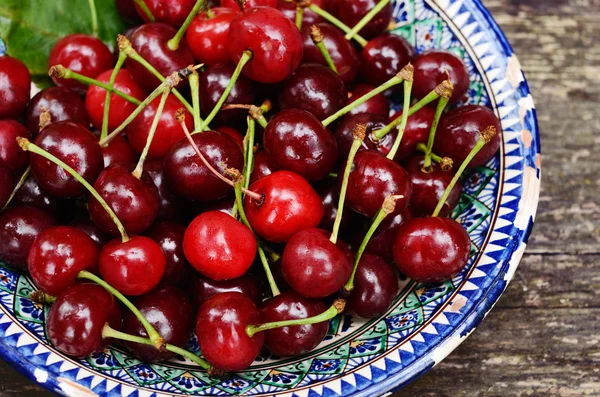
(30, 28)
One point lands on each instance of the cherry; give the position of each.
(297, 141)
(134, 201)
(381, 241)
(120, 109)
(88, 227)
(263, 165)
(169, 236)
(204, 288)
(288, 8)
(275, 42)
(417, 130)
(297, 339)
(290, 205)
(10, 152)
(342, 53)
(459, 131)
(76, 319)
(19, 226)
(383, 57)
(170, 312)
(314, 88)
(344, 137)
(6, 184)
(15, 85)
(118, 151)
(232, 132)
(30, 193)
(63, 104)
(170, 207)
(352, 11)
(172, 12)
(186, 174)
(233, 5)
(74, 145)
(221, 329)
(433, 67)
(328, 191)
(132, 267)
(207, 36)
(57, 255)
(377, 105)
(83, 54)
(128, 11)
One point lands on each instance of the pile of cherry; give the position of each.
(234, 168)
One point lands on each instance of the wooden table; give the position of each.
(543, 336)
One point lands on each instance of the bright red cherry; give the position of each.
(10, 152)
(352, 11)
(233, 5)
(6, 183)
(288, 8)
(88, 227)
(119, 151)
(208, 36)
(170, 207)
(263, 165)
(169, 236)
(171, 12)
(383, 57)
(15, 85)
(204, 288)
(433, 67)
(377, 105)
(32, 194)
(417, 131)
(62, 103)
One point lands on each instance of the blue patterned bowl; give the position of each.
(358, 357)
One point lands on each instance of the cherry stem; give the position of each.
(336, 22)
(195, 88)
(173, 44)
(299, 16)
(336, 308)
(22, 180)
(436, 120)
(111, 84)
(145, 9)
(60, 71)
(94, 15)
(484, 137)
(246, 56)
(389, 205)
(407, 90)
(359, 135)
(445, 162)
(33, 148)
(257, 114)
(366, 19)
(40, 296)
(317, 38)
(248, 157)
(209, 13)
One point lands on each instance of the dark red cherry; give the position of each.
(298, 339)
(297, 141)
(188, 177)
(150, 41)
(328, 191)
(342, 53)
(19, 226)
(10, 152)
(382, 240)
(15, 85)
(219, 246)
(170, 206)
(459, 131)
(120, 109)
(171, 12)
(167, 132)
(433, 67)
(375, 287)
(377, 105)
(263, 165)
(221, 329)
(88, 227)
(373, 178)
(208, 37)
(290, 205)
(204, 288)
(314, 88)
(170, 312)
(134, 201)
(57, 255)
(128, 11)
(288, 8)
(232, 132)
(119, 151)
(383, 57)
(6, 183)
(431, 250)
(352, 11)
(32, 194)
(62, 103)
(314, 266)
(417, 131)
(77, 147)
(231, 4)
(274, 40)
(83, 54)
(76, 319)
(344, 137)
(133, 267)
(169, 236)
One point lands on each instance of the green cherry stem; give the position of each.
(359, 136)
(408, 83)
(446, 163)
(145, 9)
(111, 84)
(209, 12)
(249, 143)
(445, 92)
(317, 38)
(18, 186)
(173, 44)
(366, 19)
(336, 22)
(257, 114)
(484, 137)
(94, 16)
(299, 16)
(40, 296)
(195, 89)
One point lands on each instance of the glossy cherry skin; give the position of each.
(204, 288)
(382, 240)
(288, 8)
(83, 54)
(208, 37)
(88, 227)
(383, 57)
(169, 236)
(57, 255)
(232, 5)
(32, 194)
(274, 40)
(167, 132)
(378, 105)
(74, 145)
(134, 201)
(10, 153)
(221, 330)
(15, 85)
(431, 250)
(62, 103)
(171, 12)
(433, 67)
(314, 88)
(218, 246)
(352, 11)
(298, 339)
(120, 109)
(119, 151)
(417, 131)
(373, 178)
(6, 183)
(188, 177)
(342, 53)
(150, 41)
(170, 312)
(344, 137)
(459, 131)
(297, 141)
(375, 287)
(263, 165)
(76, 319)
(429, 187)
(232, 132)
(290, 205)
(170, 207)
(329, 193)
(133, 267)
